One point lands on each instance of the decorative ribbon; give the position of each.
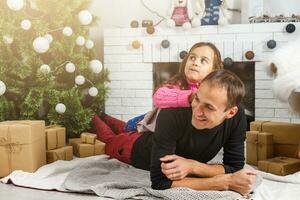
(60, 155)
(11, 148)
(77, 148)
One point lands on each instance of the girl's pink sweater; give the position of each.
(171, 96)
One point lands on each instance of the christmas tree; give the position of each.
(48, 68)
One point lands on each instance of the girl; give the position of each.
(202, 59)
(178, 92)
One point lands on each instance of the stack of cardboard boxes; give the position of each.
(87, 145)
(56, 144)
(27, 145)
(273, 147)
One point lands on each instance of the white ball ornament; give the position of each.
(79, 80)
(67, 31)
(80, 40)
(2, 88)
(93, 91)
(85, 17)
(96, 66)
(89, 44)
(48, 37)
(60, 108)
(40, 44)
(70, 67)
(15, 4)
(7, 39)
(45, 68)
(26, 24)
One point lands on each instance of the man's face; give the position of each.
(209, 107)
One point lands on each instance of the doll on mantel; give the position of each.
(182, 14)
(212, 12)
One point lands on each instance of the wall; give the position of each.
(119, 13)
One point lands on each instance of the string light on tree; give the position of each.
(15, 4)
(80, 40)
(7, 39)
(96, 66)
(48, 37)
(45, 69)
(89, 44)
(70, 67)
(60, 108)
(2, 88)
(40, 45)
(26, 24)
(93, 91)
(79, 80)
(85, 17)
(67, 31)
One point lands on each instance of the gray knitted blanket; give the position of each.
(117, 180)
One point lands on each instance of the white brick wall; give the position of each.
(131, 75)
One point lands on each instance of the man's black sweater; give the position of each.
(175, 135)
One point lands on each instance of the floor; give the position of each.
(11, 192)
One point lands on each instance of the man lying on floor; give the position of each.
(185, 139)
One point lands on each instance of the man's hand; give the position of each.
(242, 181)
(176, 167)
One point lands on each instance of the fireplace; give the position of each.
(244, 70)
(131, 70)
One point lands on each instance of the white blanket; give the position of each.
(58, 176)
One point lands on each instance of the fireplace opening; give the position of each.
(244, 70)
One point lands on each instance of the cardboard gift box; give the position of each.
(55, 137)
(88, 138)
(259, 146)
(286, 136)
(22, 146)
(257, 125)
(84, 150)
(280, 165)
(63, 153)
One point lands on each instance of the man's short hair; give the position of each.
(230, 82)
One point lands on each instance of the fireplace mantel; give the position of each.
(131, 70)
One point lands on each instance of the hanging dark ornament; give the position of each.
(271, 44)
(150, 29)
(290, 28)
(182, 54)
(134, 24)
(228, 62)
(136, 44)
(165, 43)
(249, 55)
